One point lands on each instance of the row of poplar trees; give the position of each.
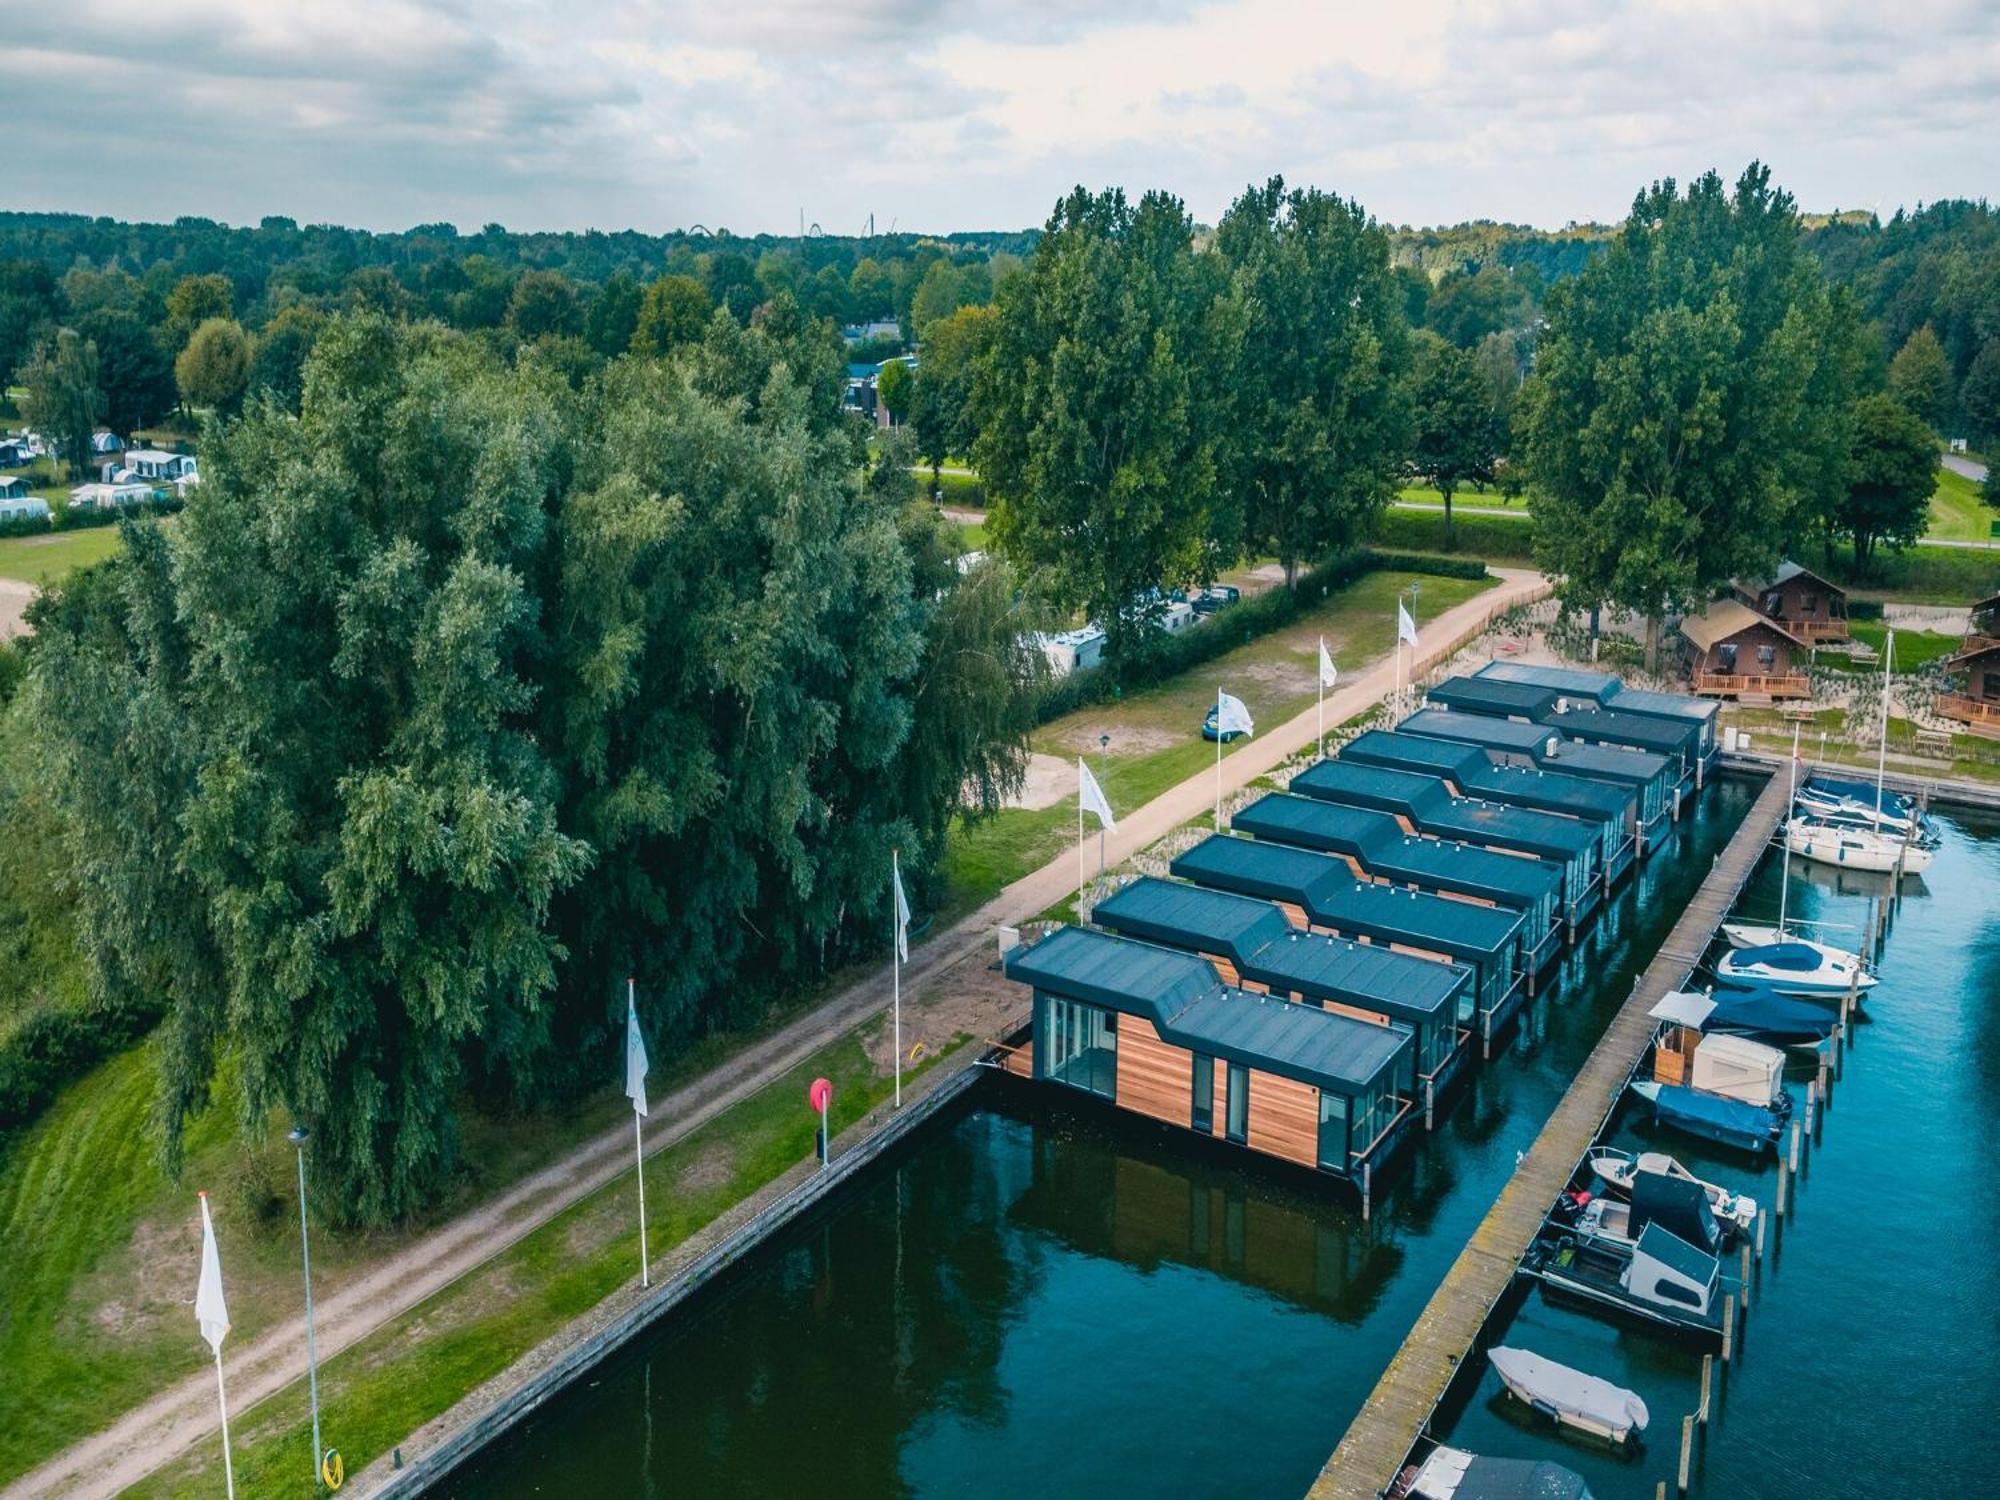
(465, 691)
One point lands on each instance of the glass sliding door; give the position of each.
(1332, 1132)
(1238, 1104)
(1076, 1044)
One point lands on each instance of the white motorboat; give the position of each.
(1570, 1397)
(1794, 966)
(1757, 935)
(1618, 1170)
(1854, 848)
(1853, 802)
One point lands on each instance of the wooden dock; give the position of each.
(1379, 1441)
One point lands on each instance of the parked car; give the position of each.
(1208, 729)
(1209, 600)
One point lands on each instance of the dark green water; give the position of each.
(1043, 1301)
(1871, 1363)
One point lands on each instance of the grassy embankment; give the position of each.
(1155, 733)
(1958, 513)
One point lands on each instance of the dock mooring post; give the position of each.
(1762, 1215)
(1825, 1087)
(1430, 1100)
(1797, 1131)
(1687, 1451)
(1728, 1326)
(1783, 1175)
(1812, 1102)
(1367, 1176)
(1746, 1276)
(1707, 1376)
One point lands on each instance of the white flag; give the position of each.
(1091, 795)
(902, 912)
(1231, 716)
(209, 1308)
(1328, 673)
(635, 1058)
(1406, 628)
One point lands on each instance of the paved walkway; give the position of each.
(1966, 468)
(1393, 1418)
(149, 1436)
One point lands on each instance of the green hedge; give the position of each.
(53, 1048)
(1489, 537)
(1168, 656)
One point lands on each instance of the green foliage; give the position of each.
(614, 315)
(1099, 434)
(1989, 487)
(1687, 384)
(192, 302)
(1981, 396)
(941, 406)
(1892, 470)
(63, 396)
(1920, 377)
(278, 357)
(30, 304)
(544, 305)
(892, 388)
(1495, 538)
(673, 313)
(1457, 434)
(134, 373)
(1319, 420)
(460, 695)
(1467, 306)
(213, 371)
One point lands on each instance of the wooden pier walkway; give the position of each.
(1378, 1442)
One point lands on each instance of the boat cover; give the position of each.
(1453, 1474)
(1569, 1390)
(1856, 791)
(1795, 957)
(1751, 1122)
(1755, 1009)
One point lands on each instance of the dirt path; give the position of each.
(15, 596)
(149, 1436)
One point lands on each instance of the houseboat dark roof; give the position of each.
(1424, 800)
(1190, 1007)
(1255, 936)
(1329, 894)
(1475, 775)
(1490, 695)
(1577, 682)
(1578, 715)
(1414, 752)
(1548, 747)
(1377, 840)
(1641, 731)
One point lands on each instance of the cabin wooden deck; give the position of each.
(1379, 1441)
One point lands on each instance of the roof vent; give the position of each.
(1549, 749)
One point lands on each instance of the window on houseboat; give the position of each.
(1371, 1110)
(1237, 1105)
(1332, 1131)
(1201, 1111)
(1078, 1045)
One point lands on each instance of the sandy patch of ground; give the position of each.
(971, 998)
(15, 597)
(1126, 739)
(1048, 781)
(1938, 619)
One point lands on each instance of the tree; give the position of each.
(1467, 306)
(1319, 419)
(1456, 436)
(63, 397)
(1920, 377)
(1098, 440)
(613, 315)
(938, 295)
(134, 372)
(279, 354)
(892, 389)
(1981, 393)
(673, 312)
(192, 302)
(870, 291)
(941, 409)
(1892, 472)
(544, 304)
(1989, 487)
(1688, 405)
(214, 369)
(30, 304)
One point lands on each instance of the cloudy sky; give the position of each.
(960, 114)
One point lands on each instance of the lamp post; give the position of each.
(1103, 744)
(298, 1137)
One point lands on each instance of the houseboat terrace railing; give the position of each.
(1783, 685)
(1981, 718)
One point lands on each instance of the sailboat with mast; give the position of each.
(1781, 958)
(1867, 845)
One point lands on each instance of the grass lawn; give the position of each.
(44, 559)
(972, 535)
(102, 1253)
(1501, 539)
(1957, 512)
(1155, 733)
(1490, 499)
(1914, 648)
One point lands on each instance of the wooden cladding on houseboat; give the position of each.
(1154, 1078)
(1284, 1118)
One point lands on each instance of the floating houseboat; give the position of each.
(1465, 769)
(1320, 893)
(1253, 945)
(1608, 691)
(1724, 1088)
(1154, 1031)
(1422, 804)
(1582, 720)
(1660, 1279)
(1375, 845)
(1508, 741)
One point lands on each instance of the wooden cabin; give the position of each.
(1801, 602)
(1973, 696)
(1738, 653)
(1985, 626)
(1155, 1032)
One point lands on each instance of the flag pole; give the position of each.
(222, 1399)
(1218, 760)
(1079, 832)
(896, 969)
(1319, 746)
(639, 1150)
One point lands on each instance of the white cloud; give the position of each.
(952, 114)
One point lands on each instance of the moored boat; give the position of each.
(1618, 1170)
(1454, 1474)
(1725, 1088)
(1570, 1397)
(1755, 1011)
(1660, 1279)
(1795, 967)
(1854, 848)
(1837, 800)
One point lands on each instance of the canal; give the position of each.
(1871, 1357)
(1037, 1299)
